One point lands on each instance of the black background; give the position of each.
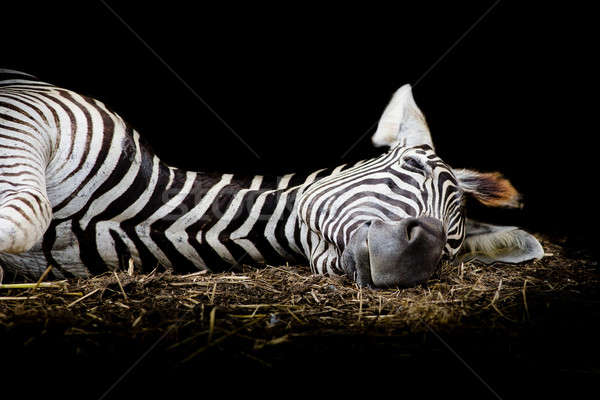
(301, 83)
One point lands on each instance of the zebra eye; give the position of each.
(414, 165)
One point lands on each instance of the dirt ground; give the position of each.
(477, 331)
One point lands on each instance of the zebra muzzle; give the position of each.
(391, 254)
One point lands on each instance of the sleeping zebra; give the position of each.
(79, 190)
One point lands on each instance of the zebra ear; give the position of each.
(489, 188)
(492, 243)
(402, 122)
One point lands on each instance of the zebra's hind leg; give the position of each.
(25, 211)
(25, 214)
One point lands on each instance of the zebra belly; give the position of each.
(65, 258)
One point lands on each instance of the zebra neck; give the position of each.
(218, 220)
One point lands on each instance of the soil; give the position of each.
(500, 331)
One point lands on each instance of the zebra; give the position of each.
(80, 190)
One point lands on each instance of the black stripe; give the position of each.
(148, 259)
(88, 136)
(108, 133)
(157, 230)
(47, 245)
(288, 213)
(121, 249)
(206, 222)
(257, 232)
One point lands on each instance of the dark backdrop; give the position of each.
(301, 83)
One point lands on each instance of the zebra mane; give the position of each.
(6, 74)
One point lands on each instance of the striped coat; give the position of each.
(81, 191)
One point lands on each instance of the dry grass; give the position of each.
(274, 305)
(139, 335)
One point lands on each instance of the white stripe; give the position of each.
(292, 222)
(176, 232)
(104, 201)
(106, 244)
(96, 144)
(276, 216)
(139, 203)
(239, 236)
(212, 236)
(143, 229)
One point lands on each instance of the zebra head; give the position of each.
(389, 221)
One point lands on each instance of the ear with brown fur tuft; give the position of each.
(490, 188)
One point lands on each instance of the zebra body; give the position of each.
(122, 201)
(80, 190)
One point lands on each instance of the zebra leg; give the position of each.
(25, 211)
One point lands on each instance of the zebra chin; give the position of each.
(395, 254)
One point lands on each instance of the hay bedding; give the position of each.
(280, 316)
